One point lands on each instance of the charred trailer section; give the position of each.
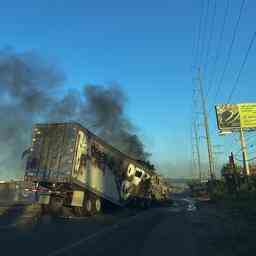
(71, 168)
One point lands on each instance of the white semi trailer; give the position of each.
(72, 167)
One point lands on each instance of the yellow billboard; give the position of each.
(230, 117)
(247, 113)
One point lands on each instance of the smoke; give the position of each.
(30, 90)
(27, 86)
(67, 108)
(103, 113)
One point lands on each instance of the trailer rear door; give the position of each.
(53, 150)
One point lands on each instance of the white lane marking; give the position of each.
(85, 239)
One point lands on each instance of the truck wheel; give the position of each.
(67, 211)
(88, 207)
(97, 205)
(56, 205)
(45, 209)
(78, 211)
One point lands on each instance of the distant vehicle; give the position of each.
(68, 166)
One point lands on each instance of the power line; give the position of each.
(251, 144)
(230, 49)
(242, 67)
(252, 136)
(197, 45)
(236, 140)
(249, 136)
(240, 160)
(217, 56)
(210, 36)
(239, 152)
(204, 32)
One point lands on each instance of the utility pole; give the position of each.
(193, 163)
(198, 152)
(206, 125)
(193, 159)
(215, 155)
(244, 152)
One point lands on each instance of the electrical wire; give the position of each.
(248, 160)
(210, 36)
(204, 32)
(242, 67)
(197, 44)
(218, 51)
(230, 49)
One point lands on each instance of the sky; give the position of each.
(150, 49)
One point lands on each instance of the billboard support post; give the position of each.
(244, 152)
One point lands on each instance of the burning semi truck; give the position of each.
(71, 167)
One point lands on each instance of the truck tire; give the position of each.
(89, 207)
(56, 205)
(67, 211)
(78, 211)
(97, 205)
(45, 209)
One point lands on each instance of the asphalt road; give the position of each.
(180, 229)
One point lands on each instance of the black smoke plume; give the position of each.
(27, 87)
(30, 90)
(103, 113)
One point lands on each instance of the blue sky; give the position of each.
(145, 46)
